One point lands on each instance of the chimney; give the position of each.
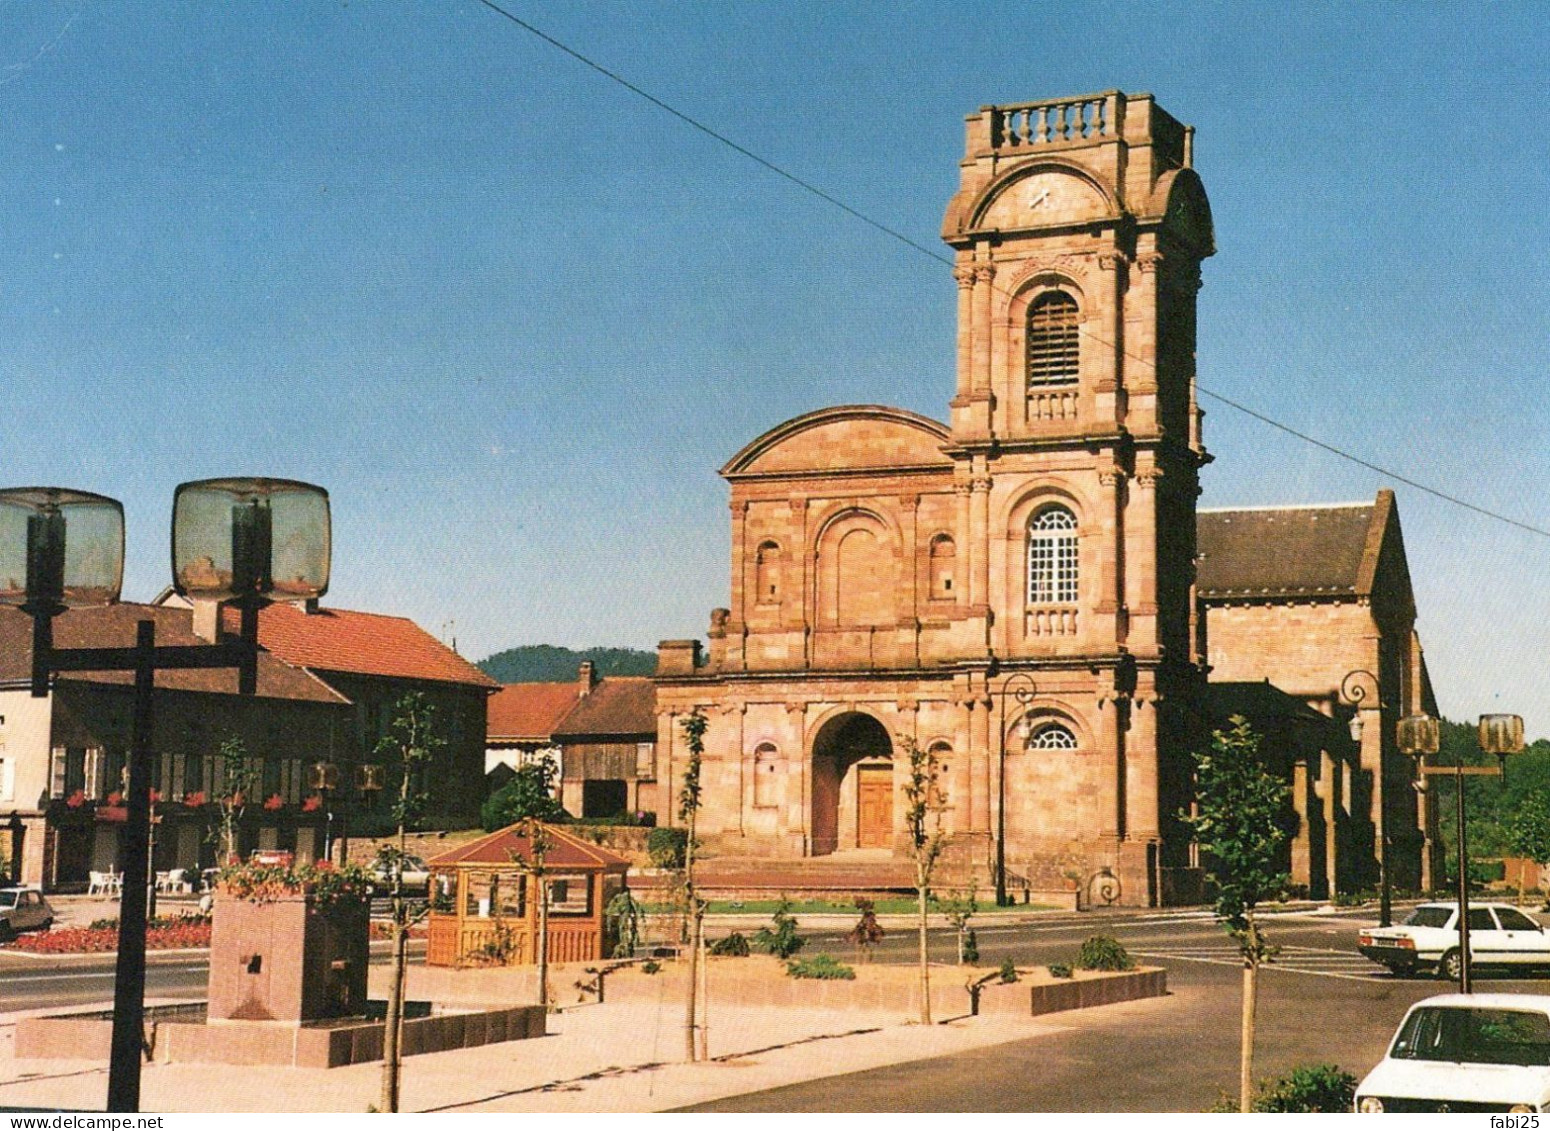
(586, 679)
(207, 619)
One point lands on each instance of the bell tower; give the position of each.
(1079, 227)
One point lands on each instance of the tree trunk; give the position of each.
(543, 941)
(1246, 1037)
(392, 1059)
(925, 965)
(691, 908)
(699, 949)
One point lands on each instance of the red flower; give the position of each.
(312, 804)
(194, 798)
(274, 802)
(115, 798)
(155, 796)
(76, 799)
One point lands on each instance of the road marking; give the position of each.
(1292, 960)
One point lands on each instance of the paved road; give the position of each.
(1319, 1003)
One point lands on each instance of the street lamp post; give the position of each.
(325, 779)
(238, 540)
(1019, 686)
(1501, 735)
(1354, 692)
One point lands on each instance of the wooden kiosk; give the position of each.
(484, 906)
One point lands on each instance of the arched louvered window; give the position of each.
(1053, 351)
(1052, 557)
(1052, 736)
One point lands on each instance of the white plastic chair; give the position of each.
(177, 881)
(98, 883)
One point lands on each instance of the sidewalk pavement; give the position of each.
(598, 1058)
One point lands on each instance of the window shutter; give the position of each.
(93, 775)
(56, 776)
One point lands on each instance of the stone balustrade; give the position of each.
(1060, 122)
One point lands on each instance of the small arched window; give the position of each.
(1052, 557)
(1051, 736)
(944, 554)
(766, 776)
(767, 561)
(1053, 348)
(941, 755)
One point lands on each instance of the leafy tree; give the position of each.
(689, 798)
(529, 794)
(406, 749)
(242, 781)
(1528, 831)
(780, 938)
(546, 663)
(923, 823)
(1239, 823)
(959, 909)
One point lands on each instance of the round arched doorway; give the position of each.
(852, 785)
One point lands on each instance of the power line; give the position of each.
(915, 245)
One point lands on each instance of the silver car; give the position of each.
(22, 909)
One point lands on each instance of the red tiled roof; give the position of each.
(513, 843)
(619, 705)
(529, 710)
(113, 626)
(341, 640)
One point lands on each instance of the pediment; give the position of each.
(845, 438)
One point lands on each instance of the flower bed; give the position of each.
(170, 934)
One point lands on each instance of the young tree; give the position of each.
(1239, 823)
(959, 909)
(241, 782)
(529, 793)
(923, 822)
(408, 746)
(1528, 831)
(694, 725)
(534, 865)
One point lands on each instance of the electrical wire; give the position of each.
(936, 255)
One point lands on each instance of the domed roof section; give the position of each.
(865, 437)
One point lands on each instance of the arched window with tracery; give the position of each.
(1053, 348)
(944, 555)
(1050, 735)
(767, 562)
(1052, 557)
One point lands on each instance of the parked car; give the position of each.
(23, 909)
(1499, 935)
(417, 877)
(1465, 1052)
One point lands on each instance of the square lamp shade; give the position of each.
(1501, 734)
(1419, 735)
(243, 538)
(59, 548)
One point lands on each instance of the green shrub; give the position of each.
(1101, 952)
(529, 793)
(1317, 1088)
(969, 952)
(667, 847)
(820, 966)
(1060, 970)
(780, 938)
(733, 946)
(650, 966)
(1008, 972)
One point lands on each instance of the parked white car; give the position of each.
(1465, 1052)
(1499, 935)
(23, 909)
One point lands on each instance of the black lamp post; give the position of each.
(1501, 735)
(1354, 692)
(238, 540)
(325, 779)
(1019, 686)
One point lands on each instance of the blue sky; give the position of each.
(514, 318)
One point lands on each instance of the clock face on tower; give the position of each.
(1043, 199)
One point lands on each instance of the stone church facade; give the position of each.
(1013, 589)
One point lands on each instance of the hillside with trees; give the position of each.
(547, 663)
